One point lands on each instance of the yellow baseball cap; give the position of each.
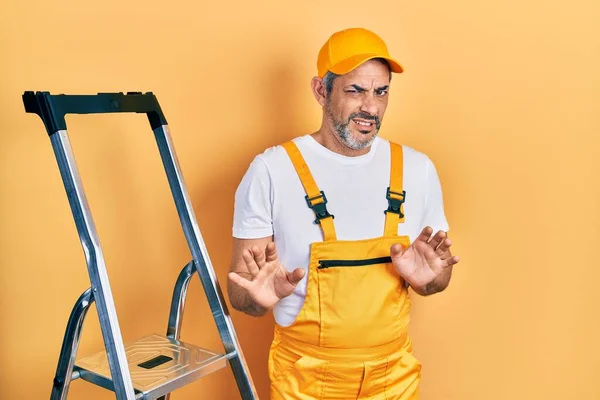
(347, 49)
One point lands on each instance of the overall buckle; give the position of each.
(395, 204)
(320, 209)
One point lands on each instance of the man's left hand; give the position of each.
(426, 265)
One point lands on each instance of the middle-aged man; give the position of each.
(332, 228)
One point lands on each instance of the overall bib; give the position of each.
(350, 339)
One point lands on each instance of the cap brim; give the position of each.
(349, 64)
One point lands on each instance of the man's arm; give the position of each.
(436, 218)
(238, 296)
(252, 226)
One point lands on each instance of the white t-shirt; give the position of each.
(270, 200)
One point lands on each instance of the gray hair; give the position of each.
(330, 76)
(328, 81)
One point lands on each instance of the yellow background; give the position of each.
(503, 96)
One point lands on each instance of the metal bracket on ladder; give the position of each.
(154, 366)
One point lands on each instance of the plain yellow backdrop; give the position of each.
(503, 96)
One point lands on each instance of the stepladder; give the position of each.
(155, 365)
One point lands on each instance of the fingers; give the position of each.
(248, 256)
(396, 250)
(270, 252)
(436, 241)
(451, 261)
(439, 242)
(295, 276)
(444, 246)
(259, 256)
(240, 281)
(425, 234)
(256, 259)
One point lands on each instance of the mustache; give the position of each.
(365, 116)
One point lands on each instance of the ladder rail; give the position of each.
(178, 301)
(66, 361)
(178, 306)
(203, 263)
(88, 235)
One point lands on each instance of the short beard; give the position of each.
(344, 133)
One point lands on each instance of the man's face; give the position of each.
(355, 107)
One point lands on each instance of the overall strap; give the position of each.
(315, 198)
(395, 195)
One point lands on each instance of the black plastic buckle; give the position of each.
(394, 205)
(319, 209)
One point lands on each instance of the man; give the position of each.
(331, 229)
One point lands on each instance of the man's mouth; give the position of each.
(363, 123)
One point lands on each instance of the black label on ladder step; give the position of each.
(155, 362)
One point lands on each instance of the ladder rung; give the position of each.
(158, 365)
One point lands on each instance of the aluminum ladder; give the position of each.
(153, 366)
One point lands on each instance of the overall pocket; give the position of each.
(359, 301)
(403, 377)
(299, 380)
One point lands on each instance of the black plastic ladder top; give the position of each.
(52, 108)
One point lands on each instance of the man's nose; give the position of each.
(369, 105)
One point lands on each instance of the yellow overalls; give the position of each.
(350, 339)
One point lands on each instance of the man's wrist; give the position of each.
(253, 309)
(427, 289)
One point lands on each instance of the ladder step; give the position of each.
(158, 365)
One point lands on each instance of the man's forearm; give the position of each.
(241, 301)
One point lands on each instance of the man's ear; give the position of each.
(319, 90)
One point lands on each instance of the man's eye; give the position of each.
(381, 92)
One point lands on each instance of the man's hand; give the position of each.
(427, 264)
(267, 281)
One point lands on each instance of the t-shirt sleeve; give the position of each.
(252, 215)
(434, 215)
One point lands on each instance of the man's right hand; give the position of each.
(267, 281)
